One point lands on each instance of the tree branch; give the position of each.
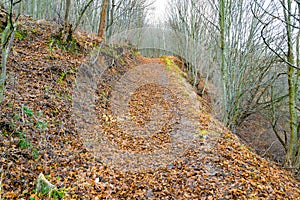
(273, 50)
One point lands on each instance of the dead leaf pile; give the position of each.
(38, 133)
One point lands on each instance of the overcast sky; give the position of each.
(159, 12)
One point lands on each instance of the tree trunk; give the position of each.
(102, 24)
(297, 87)
(67, 31)
(81, 15)
(33, 9)
(290, 160)
(222, 18)
(111, 18)
(67, 13)
(6, 43)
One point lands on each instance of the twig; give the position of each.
(1, 179)
(273, 50)
(263, 155)
(22, 110)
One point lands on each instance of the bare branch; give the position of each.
(274, 51)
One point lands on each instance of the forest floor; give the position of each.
(115, 125)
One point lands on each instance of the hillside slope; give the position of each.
(144, 134)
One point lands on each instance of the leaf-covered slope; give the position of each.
(38, 133)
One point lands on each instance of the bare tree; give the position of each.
(103, 16)
(128, 14)
(236, 61)
(6, 42)
(282, 18)
(67, 13)
(119, 15)
(251, 41)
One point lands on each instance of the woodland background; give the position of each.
(249, 64)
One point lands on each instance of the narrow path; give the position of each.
(157, 115)
(155, 138)
(150, 118)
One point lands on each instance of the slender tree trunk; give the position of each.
(102, 24)
(108, 10)
(67, 13)
(95, 17)
(6, 43)
(222, 18)
(33, 8)
(38, 9)
(67, 30)
(111, 18)
(297, 87)
(81, 15)
(292, 148)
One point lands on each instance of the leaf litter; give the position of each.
(214, 166)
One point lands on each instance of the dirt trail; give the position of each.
(152, 117)
(134, 129)
(158, 112)
(155, 129)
